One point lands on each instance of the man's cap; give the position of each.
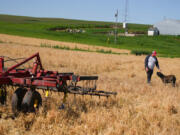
(154, 53)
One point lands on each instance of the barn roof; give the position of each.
(168, 27)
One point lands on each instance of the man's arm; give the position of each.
(157, 63)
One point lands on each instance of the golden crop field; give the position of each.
(138, 109)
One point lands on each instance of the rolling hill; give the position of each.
(91, 33)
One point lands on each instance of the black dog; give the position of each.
(167, 79)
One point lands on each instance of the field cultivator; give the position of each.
(28, 81)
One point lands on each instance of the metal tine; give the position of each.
(83, 84)
(93, 85)
(89, 83)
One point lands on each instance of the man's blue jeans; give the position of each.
(149, 74)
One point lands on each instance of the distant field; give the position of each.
(96, 33)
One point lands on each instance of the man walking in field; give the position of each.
(150, 62)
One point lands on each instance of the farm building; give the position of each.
(153, 31)
(168, 27)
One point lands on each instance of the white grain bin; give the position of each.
(153, 31)
(168, 27)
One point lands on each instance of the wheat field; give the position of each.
(138, 109)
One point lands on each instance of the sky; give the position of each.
(139, 11)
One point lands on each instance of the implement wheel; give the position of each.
(3, 95)
(17, 99)
(31, 101)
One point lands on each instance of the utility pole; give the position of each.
(125, 17)
(116, 25)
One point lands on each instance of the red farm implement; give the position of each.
(28, 81)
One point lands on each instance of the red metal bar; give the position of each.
(39, 61)
(1, 64)
(5, 80)
(35, 67)
(26, 60)
(29, 82)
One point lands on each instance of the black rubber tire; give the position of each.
(29, 100)
(17, 98)
(3, 96)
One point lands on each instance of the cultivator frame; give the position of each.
(30, 79)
